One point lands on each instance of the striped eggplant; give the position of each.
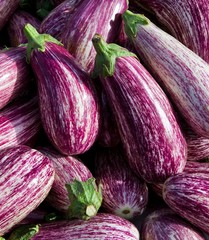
(166, 224)
(15, 75)
(124, 194)
(187, 195)
(102, 226)
(67, 169)
(26, 177)
(101, 16)
(67, 98)
(182, 73)
(7, 8)
(16, 24)
(186, 20)
(55, 22)
(152, 139)
(20, 123)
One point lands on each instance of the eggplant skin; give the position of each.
(7, 8)
(26, 176)
(67, 99)
(164, 224)
(15, 74)
(103, 227)
(187, 195)
(149, 131)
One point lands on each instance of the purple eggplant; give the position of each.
(20, 123)
(181, 72)
(103, 17)
(165, 224)
(124, 194)
(57, 2)
(67, 98)
(16, 24)
(68, 169)
(186, 20)
(55, 22)
(7, 8)
(26, 176)
(15, 75)
(187, 195)
(152, 139)
(102, 227)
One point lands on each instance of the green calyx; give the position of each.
(36, 40)
(106, 56)
(85, 199)
(131, 20)
(1, 238)
(25, 232)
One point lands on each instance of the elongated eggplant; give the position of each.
(15, 75)
(186, 20)
(67, 169)
(180, 71)
(55, 22)
(164, 224)
(16, 24)
(152, 139)
(67, 98)
(102, 226)
(187, 194)
(7, 8)
(124, 194)
(20, 123)
(26, 177)
(103, 17)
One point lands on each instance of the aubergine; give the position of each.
(102, 226)
(181, 72)
(26, 176)
(154, 144)
(67, 97)
(124, 194)
(101, 16)
(20, 123)
(165, 223)
(16, 24)
(15, 74)
(186, 20)
(68, 169)
(7, 8)
(56, 20)
(187, 195)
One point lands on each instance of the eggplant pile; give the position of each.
(104, 120)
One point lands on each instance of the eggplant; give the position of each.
(7, 8)
(20, 123)
(181, 72)
(56, 20)
(186, 20)
(124, 194)
(150, 134)
(103, 17)
(67, 98)
(165, 223)
(68, 169)
(15, 74)
(187, 195)
(57, 2)
(26, 176)
(16, 24)
(102, 226)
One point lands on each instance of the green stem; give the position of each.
(106, 56)
(25, 232)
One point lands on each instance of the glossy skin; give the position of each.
(151, 136)
(102, 226)
(67, 99)
(102, 17)
(26, 176)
